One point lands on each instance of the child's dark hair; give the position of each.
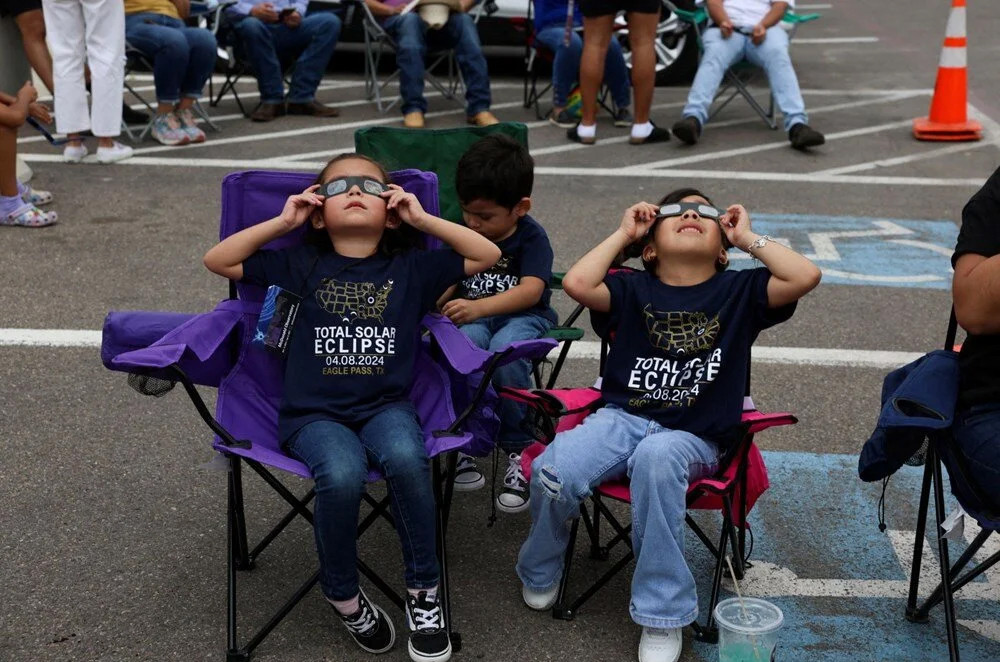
(393, 242)
(496, 168)
(670, 198)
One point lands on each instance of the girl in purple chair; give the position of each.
(364, 290)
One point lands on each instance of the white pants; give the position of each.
(95, 30)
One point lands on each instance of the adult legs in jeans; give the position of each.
(183, 57)
(316, 37)
(260, 42)
(566, 67)
(977, 440)
(409, 33)
(460, 34)
(339, 458)
(772, 56)
(719, 55)
(663, 464)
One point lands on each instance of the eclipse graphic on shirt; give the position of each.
(353, 301)
(680, 332)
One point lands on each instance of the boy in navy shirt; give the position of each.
(674, 383)
(508, 302)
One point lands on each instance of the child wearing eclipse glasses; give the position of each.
(673, 386)
(364, 289)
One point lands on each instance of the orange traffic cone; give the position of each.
(948, 118)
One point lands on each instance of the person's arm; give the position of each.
(771, 18)
(719, 16)
(792, 275)
(584, 281)
(14, 110)
(479, 252)
(522, 296)
(226, 258)
(976, 292)
(183, 8)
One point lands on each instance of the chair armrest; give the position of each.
(466, 358)
(152, 343)
(694, 17)
(795, 19)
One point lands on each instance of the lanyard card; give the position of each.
(277, 318)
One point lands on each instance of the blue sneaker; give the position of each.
(167, 130)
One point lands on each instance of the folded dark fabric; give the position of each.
(917, 399)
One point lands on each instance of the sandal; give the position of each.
(36, 197)
(29, 216)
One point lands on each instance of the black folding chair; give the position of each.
(952, 578)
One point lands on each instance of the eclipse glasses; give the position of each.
(678, 208)
(344, 184)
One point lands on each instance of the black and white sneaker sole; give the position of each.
(392, 634)
(416, 656)
(470, 486)
(512, 509)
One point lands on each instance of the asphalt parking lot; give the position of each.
(114, 528)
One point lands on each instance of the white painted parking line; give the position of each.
(834, 40)
(581, 349)
(753, 149)
(899, 160)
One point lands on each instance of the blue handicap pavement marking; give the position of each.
(861, 250)
(840, 582)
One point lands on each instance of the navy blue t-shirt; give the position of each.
(679, 354)
(527, 252)
(355, 339)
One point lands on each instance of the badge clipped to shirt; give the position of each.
(277, 319)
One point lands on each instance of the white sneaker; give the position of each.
(540, 600)
(514, 496)
(74, 153)
(117, 152)
(468, 477)
(658, 645)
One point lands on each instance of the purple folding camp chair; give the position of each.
(451, 390)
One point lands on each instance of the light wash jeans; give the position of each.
(494, 333)
(414, 40)
(338, 457)
(771, 56)
(612, 443)
(566, 66)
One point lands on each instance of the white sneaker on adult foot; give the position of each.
(117, 152)
(514, 496)
(468, 477)
(540, 600)
(658, 645)
(74, 153)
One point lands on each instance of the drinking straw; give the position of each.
(743, 608)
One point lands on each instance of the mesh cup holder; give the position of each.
(147, 385)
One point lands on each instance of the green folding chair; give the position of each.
(438, 151)
(738, 78)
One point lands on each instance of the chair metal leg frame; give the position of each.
(932, 478)
(955, 572)
(740, 88)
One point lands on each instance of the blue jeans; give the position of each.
(338, 457)
(771, 56)
(977, 439)
(494, 333)
(612, 443)
(413, 40)
(566, 67)
(267, 43)
(183, 57)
